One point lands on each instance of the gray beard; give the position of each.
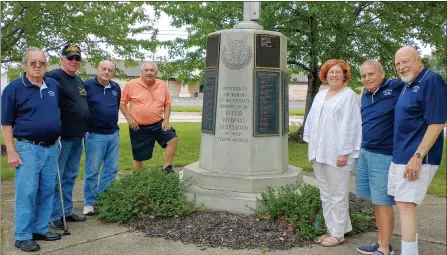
(407, 79)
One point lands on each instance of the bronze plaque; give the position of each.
(267, 51)
(285, 102)
(209, 101)
(267, 99)
(212, 51)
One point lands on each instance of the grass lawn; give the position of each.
(186, 108)
(293, 112)
(189, 149)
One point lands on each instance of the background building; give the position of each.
(176, 88)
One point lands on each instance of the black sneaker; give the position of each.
(75, 218)
(169, 170)
(27, 245)
(47, 237)
(57, 224)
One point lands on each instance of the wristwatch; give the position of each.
(418, 154)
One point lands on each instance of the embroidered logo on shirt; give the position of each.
(115, 93)
(51, 93)
(387, 92)
(415, 88)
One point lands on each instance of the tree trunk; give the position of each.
(313, 82)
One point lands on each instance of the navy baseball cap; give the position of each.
(71, 50)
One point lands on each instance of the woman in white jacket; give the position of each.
(333, 131)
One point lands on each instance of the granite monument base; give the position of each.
(234, 193)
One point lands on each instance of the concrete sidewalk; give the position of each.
(94, 238)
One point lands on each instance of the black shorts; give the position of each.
(143, 140)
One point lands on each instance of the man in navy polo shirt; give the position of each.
(103, 138)
(30, 114)
(420, 117)
(74, 116)
(378, 103)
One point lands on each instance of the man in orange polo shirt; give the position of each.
(148, 116)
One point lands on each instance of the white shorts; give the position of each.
(410, 191)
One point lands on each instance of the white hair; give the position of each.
(149, 62)
(372, 62)
(25, 55)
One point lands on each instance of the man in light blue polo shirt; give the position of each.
(103, 138)
(30, 114)
(378, 102)
(420, 117)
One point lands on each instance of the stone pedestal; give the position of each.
(244, 143)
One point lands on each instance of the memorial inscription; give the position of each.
(267, 51)
(235, 102)
(212, 51)
(209, 101)
(267, 85)
(285, 102)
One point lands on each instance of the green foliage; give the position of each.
(92, 25)
(437, 62)
(147, 192)
(186, 55)
(14, 73)
(301, 206)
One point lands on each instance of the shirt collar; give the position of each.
(420, 76)
(97, 82)
(141, 82)
(382, 85)
(28, 83)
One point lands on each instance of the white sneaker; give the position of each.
(89, 210)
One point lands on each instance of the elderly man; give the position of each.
(103, 138)
(420, 117)
(74, 115)
(378, 102)
(148, 116)
(30, 114)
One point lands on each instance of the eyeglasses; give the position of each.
(37, 63)
(75, 57)
(335, 72)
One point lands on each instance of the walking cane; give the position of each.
(66, 232)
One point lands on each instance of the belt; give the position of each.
(41, 143)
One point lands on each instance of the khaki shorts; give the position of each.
(410, 191)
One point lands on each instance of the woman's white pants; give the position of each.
(334, 193)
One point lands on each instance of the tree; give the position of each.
(201, 18)
(316, 32)
(437, 62)
(92, 25)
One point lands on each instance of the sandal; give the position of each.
(320, 239)
(332, 241)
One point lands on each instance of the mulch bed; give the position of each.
(222, 229)
(233, 231)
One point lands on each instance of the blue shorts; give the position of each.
(143, 140)
(371, 180)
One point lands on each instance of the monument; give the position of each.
(184, 91)
(245, 119)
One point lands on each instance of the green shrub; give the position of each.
(147, 192)
(301, 207)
